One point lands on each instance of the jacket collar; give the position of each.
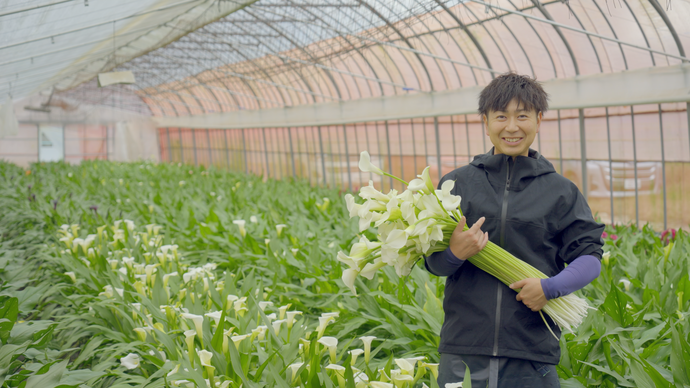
(523, 170)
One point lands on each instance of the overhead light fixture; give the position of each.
(43, 109)
(115, 77)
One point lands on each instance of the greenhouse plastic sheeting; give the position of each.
(644, 86)
(64, 43)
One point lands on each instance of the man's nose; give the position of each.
(511, 125)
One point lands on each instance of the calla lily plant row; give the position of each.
(163, 275)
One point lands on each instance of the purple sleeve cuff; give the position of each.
(575, 276)
(443, 263)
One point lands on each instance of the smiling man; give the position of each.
(514, 194)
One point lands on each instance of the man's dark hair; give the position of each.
(497, 95)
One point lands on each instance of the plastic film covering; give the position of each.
(62, 44)
(275, 54)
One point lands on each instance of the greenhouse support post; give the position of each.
(438, 148)
(292, 154)
(402, 169)
(167, 135)
(347, 158)
(268, 168)
(227, 149)
(244, 151)
(608, 140)
(210, 150)
(179, 132)
(560, 143)
(467, 134)
(583, 152)
(323, 159)
(663, 163)
(637, 196)
(196, 161)
(388, 148)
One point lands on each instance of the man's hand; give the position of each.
(531, 294)
(465, 244)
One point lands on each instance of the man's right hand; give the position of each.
(465, 244)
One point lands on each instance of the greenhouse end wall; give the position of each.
(632, 175)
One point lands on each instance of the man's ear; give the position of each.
(486, 124)
(539, 117)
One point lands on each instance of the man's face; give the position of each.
(512, 131)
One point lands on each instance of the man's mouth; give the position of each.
(512, 140)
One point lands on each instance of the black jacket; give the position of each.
(537, 215)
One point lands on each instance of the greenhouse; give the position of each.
(177, 174)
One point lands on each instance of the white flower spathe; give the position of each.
(450, 202)
(366, 165)
(131, 361)
(205, 357)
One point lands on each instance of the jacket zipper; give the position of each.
(499, 291)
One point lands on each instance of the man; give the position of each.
(512, 196)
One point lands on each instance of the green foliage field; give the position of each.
(167, 256)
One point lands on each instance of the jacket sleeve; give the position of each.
(443, 263)
(580, 234)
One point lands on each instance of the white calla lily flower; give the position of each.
(366, 165)
(349, 277)
(240, 224)
(131, 361)
(367, 346)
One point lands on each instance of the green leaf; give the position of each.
(49, 379)
(8, 316)
(615, 306)
(467, 380)
(680, 357)
(217, 340)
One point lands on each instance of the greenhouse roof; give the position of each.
(201, 57)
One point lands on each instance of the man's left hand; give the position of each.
(531, 294)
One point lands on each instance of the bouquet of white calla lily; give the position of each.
(419, 222)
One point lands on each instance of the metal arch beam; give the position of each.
(201, 106)
(608, 22)
(671, 29)
(346, 84)
(247, 60)
(341, 71)
(596, 53)
(262, 70)
(457, 73)
(404, 20)
(469, 35)
(493, 39)
(256, 96)
(641, 30)
(529, 23)
(328, 75)
(388, 23)
(364, 58)
(357, 50)
(443, 48)
(524, 52)
(378, 58)
(548, 16)
(312, 55)
(196, 76)
(233, 96)
(276, 85)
